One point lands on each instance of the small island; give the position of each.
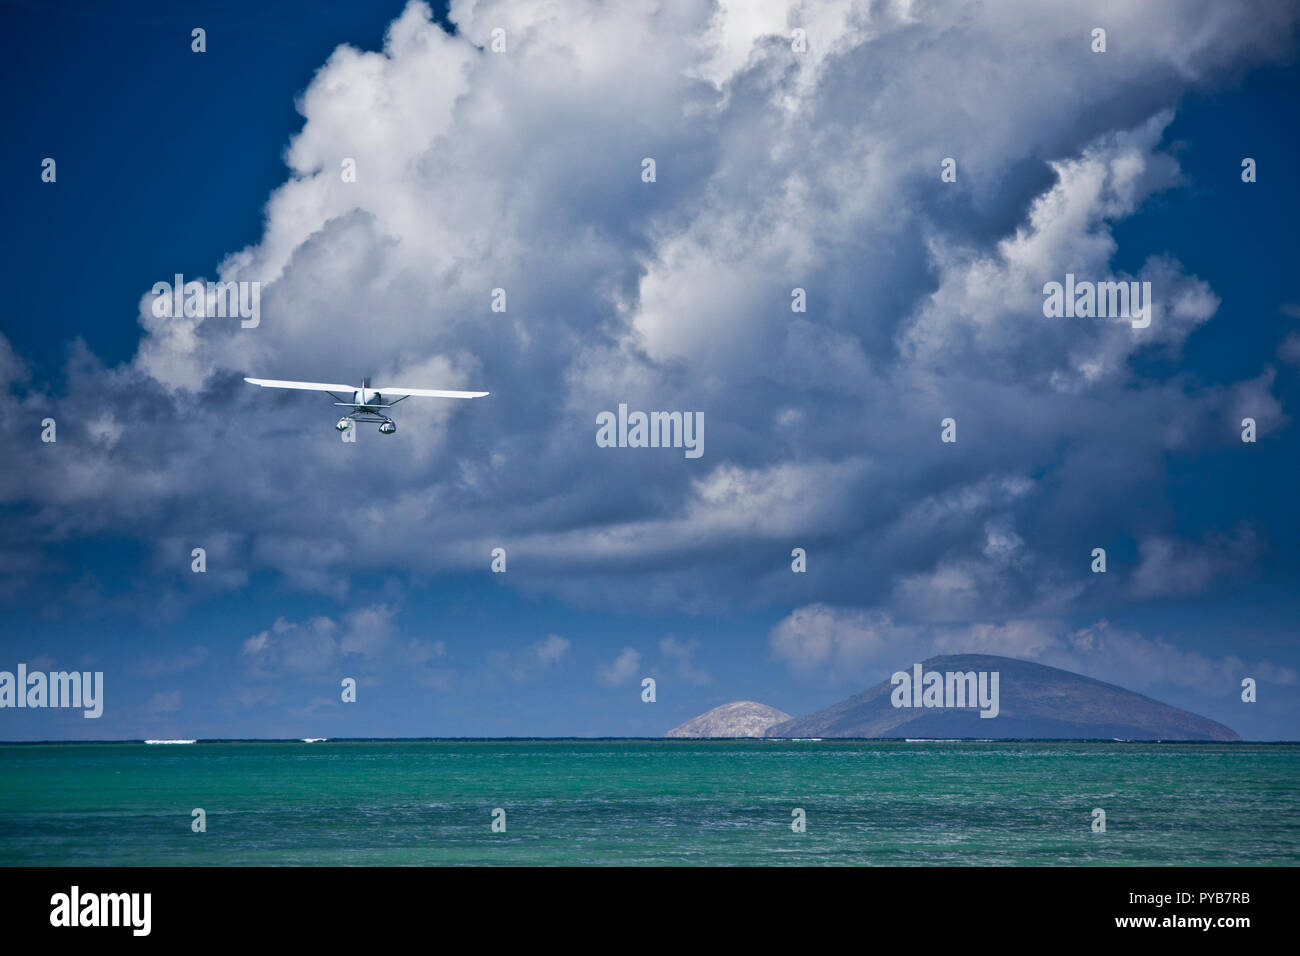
(1036, 702)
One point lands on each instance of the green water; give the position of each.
(650, 802)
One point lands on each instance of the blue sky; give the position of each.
(522, 170)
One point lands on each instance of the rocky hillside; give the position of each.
(741, 718)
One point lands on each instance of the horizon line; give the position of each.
(300, 740)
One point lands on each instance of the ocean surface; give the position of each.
(679, 802)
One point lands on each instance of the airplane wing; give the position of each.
(311, 386)
(387, 390)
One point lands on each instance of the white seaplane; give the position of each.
(368, 404)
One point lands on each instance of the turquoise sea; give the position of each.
(672, 802)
